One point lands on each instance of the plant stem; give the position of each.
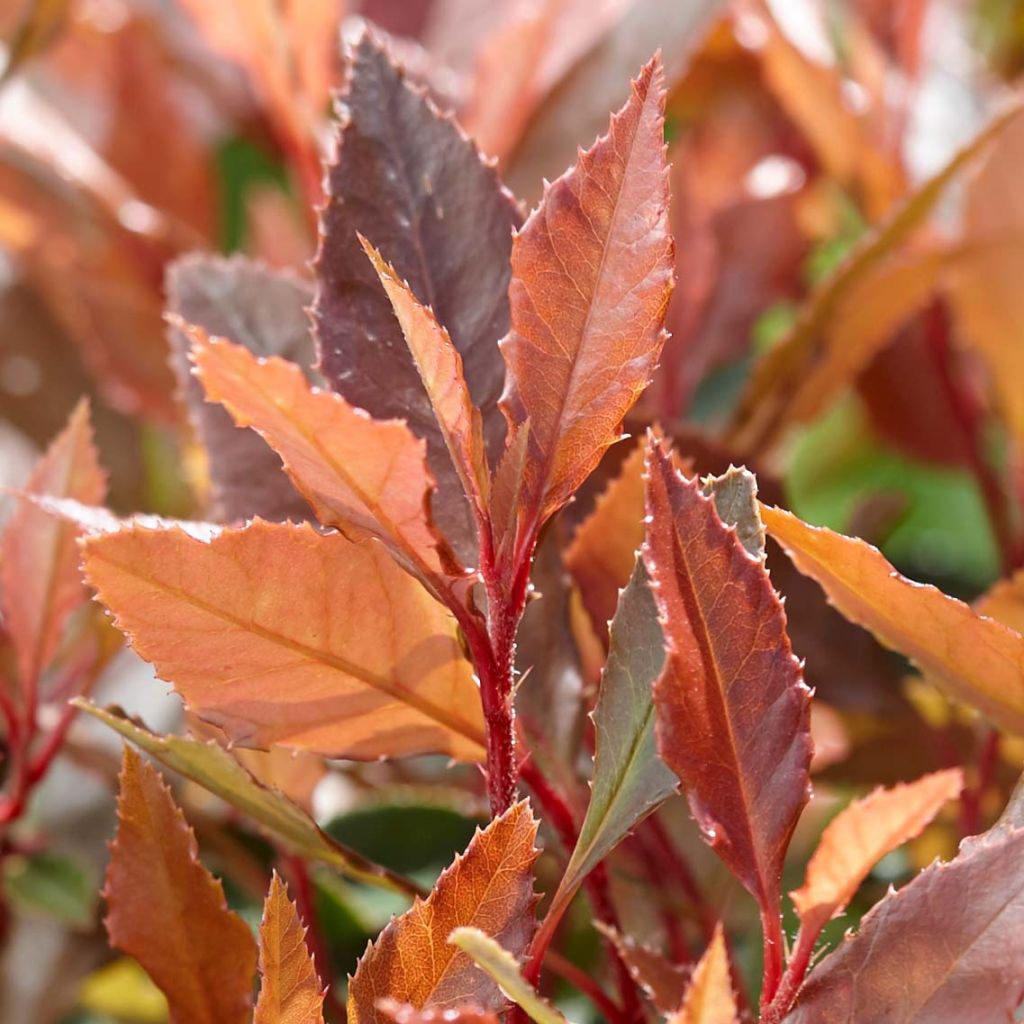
(796, 971)
(305, 903)
(568, 971)
(968, 419)
(771, 931)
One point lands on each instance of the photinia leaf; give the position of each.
(982, 669)
(629, 779)
(353, 470)
(861, 835)
(264, 310)
(1004, 602)
(603, 550)
(290, 991)
(709, 999)
(282, 635)
(732, 708)
(592, 273)
(403, 1013)
(664, 982)
(499, 964)
(946, 947)
(489, 887)
(40, 586)
(213, 768)
(735, 496)
(766, 399)
(408, 179)
(168, 911)
(440, 368)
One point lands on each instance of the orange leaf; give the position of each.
(1004, 602)
(489, 887)
(603, 551)
(440, 368)
(279, 634)
(983, 668)
(353, 470)
(709, 999)
(290, 991)
(732, 708)
(861, 835)
(591, 279)
(168, 911)
(39, 577)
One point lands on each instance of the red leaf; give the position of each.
(732, 708)
(41, 585)
(409, 180)
(946, 947)
(592, 276)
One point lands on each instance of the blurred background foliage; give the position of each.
(132, 132)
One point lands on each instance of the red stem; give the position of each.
(305, 902)
(968, 419)
(971, 799)
(568, 971)
(796, 971)
(771, 931)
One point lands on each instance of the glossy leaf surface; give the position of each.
(587, 328)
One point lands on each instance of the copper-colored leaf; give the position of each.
(603, 550)
(1004, 602)
(591, 279)
(290, 991)
(861, 835)
(489, 887)
(407, 178)
(945, 948)
(355, 471)
(39, 581)
(440, 368)
(709, 999)
(732, 708)
(279, 634)
(983, 668)
(264, 310)
(169, 912)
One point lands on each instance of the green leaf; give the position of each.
(55, 885)
(630, 780)
(213, 768)
(500, 965)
